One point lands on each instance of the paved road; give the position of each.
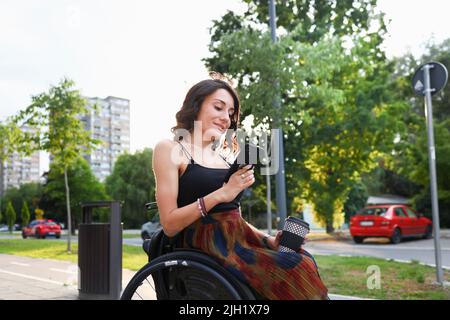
(420, 250)
(407, 250)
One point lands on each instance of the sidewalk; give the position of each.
(23, 278)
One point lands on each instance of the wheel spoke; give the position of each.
(146, 279)
(138, 295)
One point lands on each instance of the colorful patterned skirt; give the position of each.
(274, 275)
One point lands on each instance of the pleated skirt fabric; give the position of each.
(227, 237)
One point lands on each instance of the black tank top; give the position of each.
(198, 181)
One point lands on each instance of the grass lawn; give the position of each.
(342, 275)
(350, 276)
(131, 235)
(133, 257)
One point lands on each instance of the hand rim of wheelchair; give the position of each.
(154, 247)
(176, 259)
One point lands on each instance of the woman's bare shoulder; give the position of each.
(165, 153)
(165, 145)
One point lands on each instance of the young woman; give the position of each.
(192, 197)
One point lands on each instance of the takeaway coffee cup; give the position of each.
(293, 235)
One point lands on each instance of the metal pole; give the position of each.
(269, 209)
(115, 253)
(279, 181)
(432, 165)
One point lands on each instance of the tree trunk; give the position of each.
(329, 227)
(69, 218)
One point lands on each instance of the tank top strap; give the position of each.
(188, 155)
(226, 161)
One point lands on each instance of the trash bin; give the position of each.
(100, 253)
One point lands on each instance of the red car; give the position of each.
(392, 221)
(41, 229)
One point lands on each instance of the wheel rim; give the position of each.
(397, 235)
(143, 287)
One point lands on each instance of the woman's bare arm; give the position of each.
(174, 219)
(165, 167)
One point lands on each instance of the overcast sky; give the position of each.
(146, 51)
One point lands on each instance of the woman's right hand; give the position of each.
(240, 180)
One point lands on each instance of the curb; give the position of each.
(342, 297)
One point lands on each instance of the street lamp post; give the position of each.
(280, 181)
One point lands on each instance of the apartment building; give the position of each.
(19, 169)
(108, 121)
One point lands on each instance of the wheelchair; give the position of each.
(176, 273)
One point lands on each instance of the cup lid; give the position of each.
(298, 221)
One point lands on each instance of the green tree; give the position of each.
(30, 193)
(25, 214)
(9, 143)
(56, 117)
(339, 115)
(339, 110)
(316, 18)
(356, 200)
(133, 182)
(10, 215)
(84, 186)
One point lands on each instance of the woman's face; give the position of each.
(215, 114)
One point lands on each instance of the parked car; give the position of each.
(149, 228)
(5, 228)
(41, 229)
(394, 221)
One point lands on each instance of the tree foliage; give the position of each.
(317, 18)
(10, 216)
(56, 117)
(338, 110)
(84, 187)
(133, 182)
(29, 193)
(25, 214)
(356, 200)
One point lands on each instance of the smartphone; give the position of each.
(236, 166)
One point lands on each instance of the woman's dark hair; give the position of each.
(194, 99)
(193, 102)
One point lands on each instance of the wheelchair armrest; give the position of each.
(160, 244)
(151, 246)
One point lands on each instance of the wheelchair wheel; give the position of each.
(184, 276)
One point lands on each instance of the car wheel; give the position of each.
(24, 236)
(428, 232)
(58, 236)
(396, 236)
(358, 240)
(43, 236)
(145, 235)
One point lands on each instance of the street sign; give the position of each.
(438, 78)
(428, 80)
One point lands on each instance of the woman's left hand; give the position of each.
(274, 242)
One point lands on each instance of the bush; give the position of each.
(10, 216)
